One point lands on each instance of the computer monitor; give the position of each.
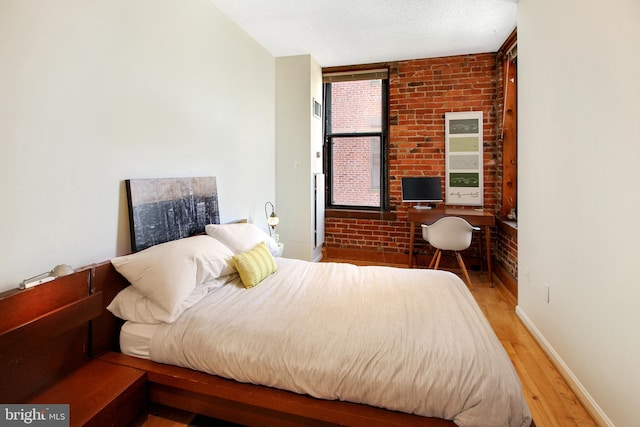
(422, 189)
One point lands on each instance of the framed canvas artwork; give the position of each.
(463, 158)
(166, 209)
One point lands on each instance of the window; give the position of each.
(356, 139)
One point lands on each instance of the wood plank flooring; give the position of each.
(550, 399)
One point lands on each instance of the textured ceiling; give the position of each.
(348, 32)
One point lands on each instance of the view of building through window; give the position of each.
(355, 133)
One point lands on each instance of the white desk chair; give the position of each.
(450, 233)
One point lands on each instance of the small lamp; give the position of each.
(272, 219)
(57, 271)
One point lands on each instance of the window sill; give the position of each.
(508, 227)
(360, 214)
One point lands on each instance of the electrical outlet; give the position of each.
(546, 293)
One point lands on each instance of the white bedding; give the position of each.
(403, 339)
(135, 338)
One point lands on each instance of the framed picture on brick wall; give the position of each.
(463, 158)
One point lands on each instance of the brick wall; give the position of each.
(353, 182)
(420, 93)
(356, 100)
(506, 252)
(356, 107)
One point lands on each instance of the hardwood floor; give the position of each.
(550, 399)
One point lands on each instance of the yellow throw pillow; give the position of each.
(255, 265)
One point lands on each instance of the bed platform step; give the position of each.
(100, 394)
(253, 405)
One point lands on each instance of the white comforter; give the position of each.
(407, 340)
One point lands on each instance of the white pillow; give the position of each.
(131, 304)
(169, 272)
(240, 237)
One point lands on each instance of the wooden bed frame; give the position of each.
(56, 339)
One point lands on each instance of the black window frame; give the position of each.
(383, 134)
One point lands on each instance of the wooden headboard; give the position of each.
(48, 331)
(165, 209)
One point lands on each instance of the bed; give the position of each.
(406, 341)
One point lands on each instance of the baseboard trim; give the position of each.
(509, 282)
(581, 392)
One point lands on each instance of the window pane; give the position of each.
(355, 163)
(356, 106)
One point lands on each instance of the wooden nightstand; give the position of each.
(99, 394)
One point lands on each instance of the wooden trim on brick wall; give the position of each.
(375, 257)
(508, 281)
(360, 214)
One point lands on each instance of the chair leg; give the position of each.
(464, 270)
(438, 259)
(433, 259)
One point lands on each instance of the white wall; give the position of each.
(579, 155)
(92, 93)
(299, 137)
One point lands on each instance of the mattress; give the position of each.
(135, 339)
(402, 339)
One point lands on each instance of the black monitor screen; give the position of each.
(421, 189)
